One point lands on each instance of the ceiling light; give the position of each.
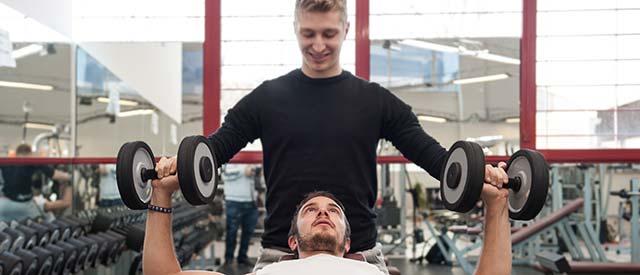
(23, 85)
(41, 126)
(461, 50)
(123, 102)
(428, 45)
(432, 119)
(512, 120)
(139, 112)
(26, 51)
(485, 78)
(497, 58)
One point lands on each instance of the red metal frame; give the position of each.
(528, 75)
(211, 67)
(363, 44)
(212, 90)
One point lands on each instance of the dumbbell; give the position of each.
(45, 233)
(92, 247)
(10, 239)
(30, 235)
(58, 258)
(463, 177)
(12, 264)
(81, 254)
(29, 262)
(197, 172)
(103, 249)
(70, 257)
(45, 260)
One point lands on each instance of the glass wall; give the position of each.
(588, 93)
(456, 63)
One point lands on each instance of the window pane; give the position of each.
(442, 41)
(588, 88)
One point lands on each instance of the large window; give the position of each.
(588, 93)
(456, 63)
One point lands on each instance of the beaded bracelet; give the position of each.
(160, 209)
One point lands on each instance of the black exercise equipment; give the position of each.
(12, 264)
(197, 172)
(463, 177)
(29, 262)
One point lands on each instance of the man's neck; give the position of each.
(306, 254)
(324, 74)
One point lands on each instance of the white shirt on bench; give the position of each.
(321, 264)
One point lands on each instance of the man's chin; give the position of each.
(321, 241)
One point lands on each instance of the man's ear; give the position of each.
(293, 243)
(347, 245)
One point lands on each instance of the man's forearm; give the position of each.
(64, 203)
(495, 257)
(158, 255)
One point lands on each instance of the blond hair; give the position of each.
(322, 6)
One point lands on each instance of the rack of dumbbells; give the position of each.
(192, 232)
(63, 246)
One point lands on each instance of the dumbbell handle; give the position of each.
(150, 174)
(514, 184)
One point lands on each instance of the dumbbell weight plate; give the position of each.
(58, 258)
(462, 176)
(81, 254)
(12, 263)
(70, 257)
(197, 172)
(45, 260)
(133, 157)
(532, 169)
(5, 242)
(29, 262)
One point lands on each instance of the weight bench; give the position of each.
(537, 227)
(551, 262)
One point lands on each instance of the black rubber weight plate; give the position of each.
(534, 170)
(195, 189)
(471, 158)
(131, 157)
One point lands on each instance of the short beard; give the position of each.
(320, 242)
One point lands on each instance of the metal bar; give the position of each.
(635, 221)
(562, 230)
(363, 44)
(211, 67)
(74, 100)
(466, 266)
(588, 242)
(574, 241)
(528, 75)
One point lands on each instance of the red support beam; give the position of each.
(211, 67)
(528, 75)
(363, 44)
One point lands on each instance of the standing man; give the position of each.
(18, 201)
(319, 127)
(240, 208)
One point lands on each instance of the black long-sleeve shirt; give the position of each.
(321, 134)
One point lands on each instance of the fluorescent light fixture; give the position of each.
(461, 50)
(485, 78)
(139, 112)
(23, 85)
(26, 51)
(428, 45)
(41, 126)
(123, 102)
(497, 58)
(512, 120)
(432, 119)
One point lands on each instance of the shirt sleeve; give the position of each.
(401, 127)
(46, 170)
(241, 125)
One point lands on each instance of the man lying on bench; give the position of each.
(319, 237)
